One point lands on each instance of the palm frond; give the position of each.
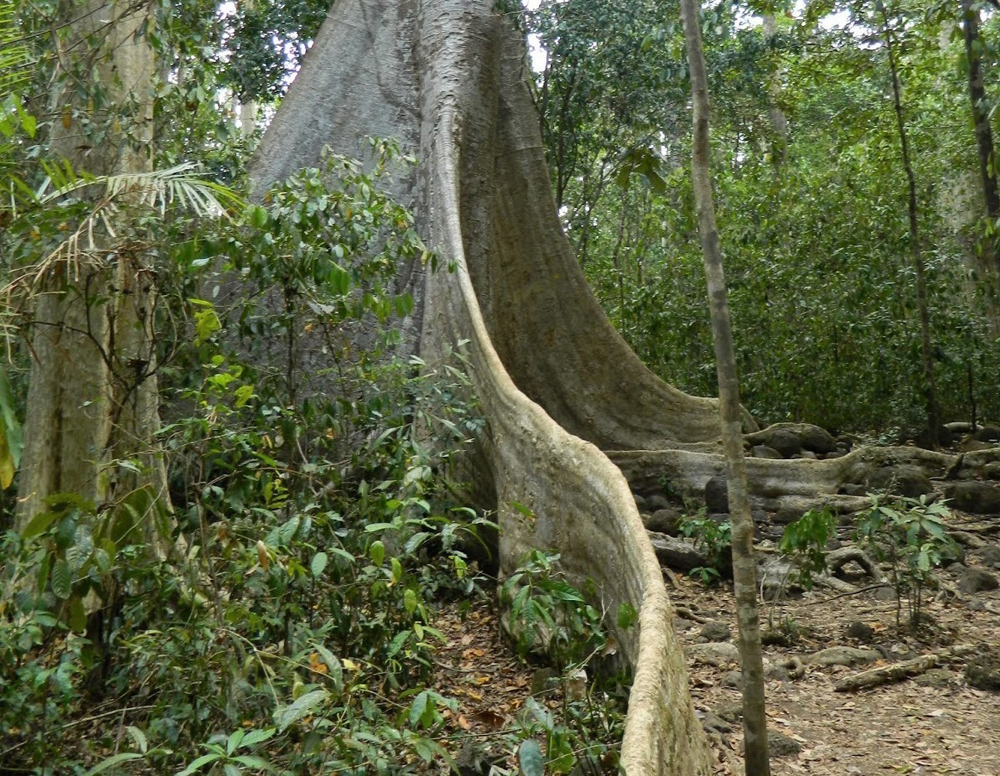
(158, 189)
(87, 243)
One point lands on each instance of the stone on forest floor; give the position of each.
(904, 480)
(988, 433)
(676, 553)
(716, 495)
(974, 579)
(780, 745)
(989, 555)
(657, 501)
(981, 498)
(860, 631)
(711, 721)
(715, 653)
(936, 677)
(817, 439)
(664, 521)
(715, 631)
(763, 451)
(842, 656)
(983, 672)
(785, 442)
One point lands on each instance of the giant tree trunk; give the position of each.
(556, 383)
(449, 80)
(92, 398)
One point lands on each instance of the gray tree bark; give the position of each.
(92, 397)
(744, 564)
(984, 136)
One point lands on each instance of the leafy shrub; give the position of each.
(548, 615)
(715, 540)
(911, 536)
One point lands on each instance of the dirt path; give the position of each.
(931, 724)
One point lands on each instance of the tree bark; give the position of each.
(926, 351)
(744, 564)
(980, 118)
(779, 121)
(92, 397)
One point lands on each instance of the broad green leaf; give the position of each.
(234, 740)
(197, 764)
(418, 708)
(302, 707)
(111, 762)
(333, 664)
(39, 524)
(529, 757)
(138, 737)
(62, 579)
(377, 552)
(319, 561)
(256, 737)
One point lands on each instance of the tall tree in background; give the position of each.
(984, 133)
(92, 407)
(744, 564)
(916, 254)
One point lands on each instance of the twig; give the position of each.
(848, 593)
(81, 721)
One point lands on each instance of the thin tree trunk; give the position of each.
(779, 121)
(744, 566)
(927, 355)
(977, 95)
(248, 118)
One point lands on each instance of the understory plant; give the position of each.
(552, 619)
(910, 534)
(287, 624)
(714, 539)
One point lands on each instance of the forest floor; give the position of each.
(931, 723)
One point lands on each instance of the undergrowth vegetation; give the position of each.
(277, 615)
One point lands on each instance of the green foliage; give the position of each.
(804, 540)
(714, 538)
(911, 536)
(548, 615)
(821, 292)
(312, 531)
(589, 731)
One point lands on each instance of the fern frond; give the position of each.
(15, 58)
